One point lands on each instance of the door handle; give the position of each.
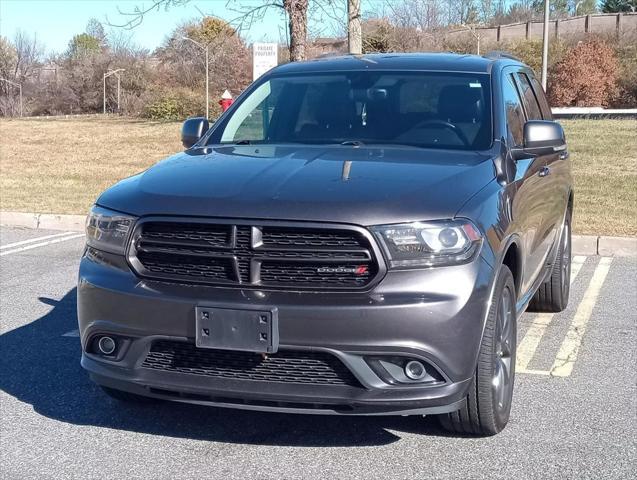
(544, 171)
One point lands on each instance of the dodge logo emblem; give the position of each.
(360, 270)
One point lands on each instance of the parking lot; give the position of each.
(573, 414)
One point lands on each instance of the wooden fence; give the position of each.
(620, 24)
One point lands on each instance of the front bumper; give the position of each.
(436, 315)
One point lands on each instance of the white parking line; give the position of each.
(32, 240)
(539, 324)
(41, 244)
(563, 365)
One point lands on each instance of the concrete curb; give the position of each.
(582, 244)
(50, 221)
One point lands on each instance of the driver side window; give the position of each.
(513, 110)
(251, 121)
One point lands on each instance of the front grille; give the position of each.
(313, 368)
(297, 257)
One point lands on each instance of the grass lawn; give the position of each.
(61, 165)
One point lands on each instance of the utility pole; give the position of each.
(106, 75)
(19, 85)
(205, 49)
(545, 44)
(354, 30)
(476, 35)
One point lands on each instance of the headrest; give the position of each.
(460, 103)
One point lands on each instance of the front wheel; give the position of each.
(552, 296)
(488, 403)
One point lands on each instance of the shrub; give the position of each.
(626, 96)
(174, 105)
(530, 52)
(586, 76)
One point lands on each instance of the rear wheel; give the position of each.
(552, 296)
(488, 403)
(127, 397)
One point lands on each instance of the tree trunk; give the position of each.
(354, 33)
(297, 13)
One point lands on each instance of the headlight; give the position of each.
(108, 230)
(426, 244)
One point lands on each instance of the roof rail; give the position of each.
(495, 54)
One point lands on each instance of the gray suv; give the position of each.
(355, 235)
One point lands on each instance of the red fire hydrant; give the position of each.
(226, 101)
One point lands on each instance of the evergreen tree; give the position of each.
(617, 6)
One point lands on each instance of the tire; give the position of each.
(127, 397)
(488, 403)
(552, 296)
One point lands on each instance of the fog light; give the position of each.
(106, 345)
(415, 370)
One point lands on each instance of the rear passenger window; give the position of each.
(514, 112)
(541, 97)
(531, 105)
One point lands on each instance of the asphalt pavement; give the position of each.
(574, 413)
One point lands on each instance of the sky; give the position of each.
(56, 21)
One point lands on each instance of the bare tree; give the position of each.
(295, 11)
(29, 53)
(183, 64)
(462, 12)
(134, 17)
(95, 29)
(419, 14)
(354, 33)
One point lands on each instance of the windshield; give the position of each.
(422, 109)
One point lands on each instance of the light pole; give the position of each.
(15, 85)
(475, 34)
(106, 75)
(205, 49)
(545, 44)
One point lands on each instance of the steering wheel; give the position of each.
(449, 126)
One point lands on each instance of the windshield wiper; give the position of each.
(355, 143)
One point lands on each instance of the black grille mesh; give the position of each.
(251, 255)
(313, 274)
(314, 368)
(294, 237)
(183, 265)
(188, 233)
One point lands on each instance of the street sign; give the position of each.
(264, 57)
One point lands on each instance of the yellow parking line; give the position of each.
(563, 365)
(530, 342)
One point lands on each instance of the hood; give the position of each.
(345, 184)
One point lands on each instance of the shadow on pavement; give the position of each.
(42, 368)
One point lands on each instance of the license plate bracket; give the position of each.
(248, 330)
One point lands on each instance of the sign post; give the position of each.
(264, 57)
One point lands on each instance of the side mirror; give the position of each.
(192, 130)
(543, 137)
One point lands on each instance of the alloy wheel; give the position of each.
(503, 368)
